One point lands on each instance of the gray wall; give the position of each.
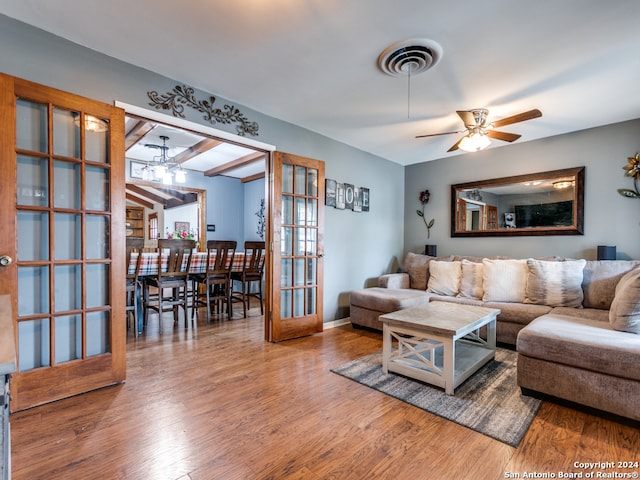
(609, 219)
(358, 246)
(361, 246)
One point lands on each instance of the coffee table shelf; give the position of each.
(438, 343)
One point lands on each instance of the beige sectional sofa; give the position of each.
(575, 323)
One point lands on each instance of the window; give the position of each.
(153, 226)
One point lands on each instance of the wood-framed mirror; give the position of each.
(545, 203)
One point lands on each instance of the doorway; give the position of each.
(224, 174)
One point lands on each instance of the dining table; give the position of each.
(149, 267)
(150, 260)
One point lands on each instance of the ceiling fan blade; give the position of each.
(438, 134)
(504, 136)
(521, 117)
(467, 117)
(455, 145)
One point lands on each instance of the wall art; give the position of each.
(347, 196)
(182, 96)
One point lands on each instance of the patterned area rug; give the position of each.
(489, 402)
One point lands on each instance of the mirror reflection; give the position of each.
(546, 203)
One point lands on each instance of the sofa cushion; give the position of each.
(588, 313)
(600, 278)
(417, 266)
(458, 300)
(444, 277)
(557, 284)
(625, 308)
(388, 300)
(521, 313)
(578, 342)
(504, 280)
(471, 279)
(394, 280)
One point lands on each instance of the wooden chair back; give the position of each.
(254, 256)
(134, 245)
(174, 252)
(220, 255)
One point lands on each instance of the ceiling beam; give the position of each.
(189, 198)
(251, 178)
(136, 133)
(177, 195)
(139, 201)
(178, 198)
(240, 162)
(146, 194)
(199, 148)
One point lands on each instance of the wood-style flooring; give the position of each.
(218, 402)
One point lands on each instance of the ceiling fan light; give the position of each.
(474, 142)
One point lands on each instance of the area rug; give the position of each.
(489, 402)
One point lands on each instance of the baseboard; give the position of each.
(336, 323)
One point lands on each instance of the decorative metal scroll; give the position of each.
(182, 96)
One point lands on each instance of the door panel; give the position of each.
(296, 278)
(63, 188)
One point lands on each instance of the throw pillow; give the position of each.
(600, 280)
(417, 266)
(504, 280)
(624, 314)
(471, 281)
(444, 277)
(557, 284)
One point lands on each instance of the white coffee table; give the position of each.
(439, 342)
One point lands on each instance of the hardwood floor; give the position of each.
(218, 402)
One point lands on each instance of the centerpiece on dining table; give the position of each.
(183, 234)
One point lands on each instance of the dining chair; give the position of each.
(252, 269)
(216, 280)
(133, 284)
(176, 254)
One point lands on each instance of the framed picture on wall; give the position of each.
(182, 226)
(348, 196)
(330, 193)
(135, 169)
(340, 195)
(365, 198)
(357, 199)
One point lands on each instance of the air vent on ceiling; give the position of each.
(410, 57)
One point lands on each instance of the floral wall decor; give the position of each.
(261, 221)
(182, 96)
(633, 170)
(424, 199)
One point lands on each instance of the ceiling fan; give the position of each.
(479, 130)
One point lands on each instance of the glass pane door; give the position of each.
(297, 272)
(67, 295)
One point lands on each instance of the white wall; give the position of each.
(185, 213)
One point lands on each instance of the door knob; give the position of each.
(5, 260)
